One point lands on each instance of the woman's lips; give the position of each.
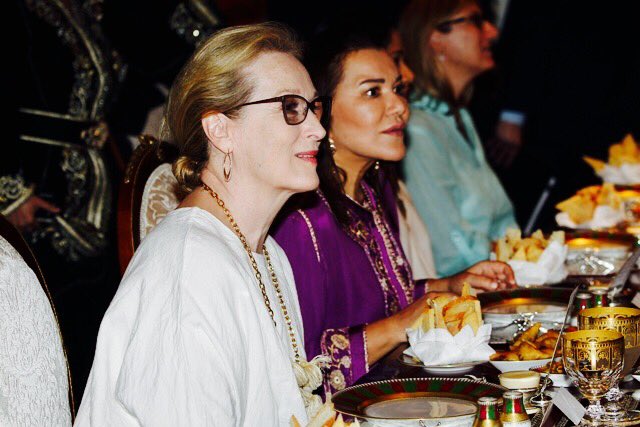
(397, 130)
(309, 156)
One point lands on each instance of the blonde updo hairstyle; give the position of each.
(214, 81)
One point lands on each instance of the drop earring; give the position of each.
(226, 166)
(332, 146)
(376, 165)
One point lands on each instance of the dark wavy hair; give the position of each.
(327, 52)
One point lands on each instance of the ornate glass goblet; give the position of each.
(626, 321)
(594, 360)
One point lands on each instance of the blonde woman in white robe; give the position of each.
(205, 328)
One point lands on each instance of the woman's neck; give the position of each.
(253, 209)
(355, 168)
(459, 82)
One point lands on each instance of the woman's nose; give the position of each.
(315, 130)
(398, 104)
(489, 30)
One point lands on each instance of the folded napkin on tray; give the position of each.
(626, 174)
(550, 267)
(603, 217)
(437, 347)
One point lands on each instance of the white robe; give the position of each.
(33, 371)
(187, 340)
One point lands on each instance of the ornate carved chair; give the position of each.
(147, 194)
(33, 364)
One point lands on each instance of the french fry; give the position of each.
(513, 247)
(325, 416)
(596, 164)
(451, 313)
(626, 151)
(339, 422)
(579, 208)
(530, 346)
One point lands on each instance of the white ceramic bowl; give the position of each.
(517, 365)
(560, 380)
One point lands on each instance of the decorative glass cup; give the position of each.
(626, 321)
(594, 360)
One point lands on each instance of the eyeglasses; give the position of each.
(295, 107)
(476, 19)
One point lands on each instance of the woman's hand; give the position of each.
(385, 334)
(483, 276)
(24, 217)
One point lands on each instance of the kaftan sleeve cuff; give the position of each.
(420, 287)
(347, 349)
(13, 192)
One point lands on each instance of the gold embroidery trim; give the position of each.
(311, 232)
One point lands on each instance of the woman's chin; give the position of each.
(305, 184)
(393, 155)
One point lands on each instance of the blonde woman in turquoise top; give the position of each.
(453, 187)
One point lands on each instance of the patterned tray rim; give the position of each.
(498, 387)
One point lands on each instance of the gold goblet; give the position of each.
(594, 360)
(626, 321)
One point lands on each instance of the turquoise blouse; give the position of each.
(456, 192)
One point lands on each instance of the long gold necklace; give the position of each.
(308, 374)
(254, 265)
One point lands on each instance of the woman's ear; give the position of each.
(435, 43)
(216, 128)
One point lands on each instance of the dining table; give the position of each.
(392, 367)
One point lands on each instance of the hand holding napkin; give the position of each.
(437, 346)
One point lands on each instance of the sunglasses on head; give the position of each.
(296, 107)
(475, 19)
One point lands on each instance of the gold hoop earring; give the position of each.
(332, 146)
(226, 166)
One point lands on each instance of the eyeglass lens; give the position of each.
(476, 20)
(296, 108)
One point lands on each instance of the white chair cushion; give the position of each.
(158, 198)
(33, 372)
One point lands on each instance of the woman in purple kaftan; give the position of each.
(354, 282)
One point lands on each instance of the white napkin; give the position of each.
(438, 347)
(604, 216)
(627, 174)
(549, 268)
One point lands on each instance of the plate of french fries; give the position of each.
(532, 348)
(327, 416)
(450, 336)
(535, 260)
(593, 207)
(623, 165)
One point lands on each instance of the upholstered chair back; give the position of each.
(148, 193)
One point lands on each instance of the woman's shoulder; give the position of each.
(187, 226)
(185, 237)
(426, 120)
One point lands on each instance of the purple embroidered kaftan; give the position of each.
(346, 277)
